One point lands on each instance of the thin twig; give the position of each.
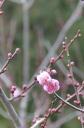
(2, 70)
(69, 104)
(24, 91)
(61, 105)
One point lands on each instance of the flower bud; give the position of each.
(61, 57)
(14, 87)
(5, 69)
(9, 55)
(64, 47)
(76, 102)
(52, 60)
(12, 90)
(68, 65)
(34, 121)
(72, 63)
(53, 72)
(78, 35)
(77, 85)
(68, 95)
(63, 43)
(22, 95)
(69, 75)
(24, 87)
(17, 50)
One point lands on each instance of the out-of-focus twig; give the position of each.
(64, 119)
(38, 123)
(10, 109)
(25, 43)
(3, 69)
(72, 106)
(13, 25)
(62, 66)
(74, 17)
(4, 114)
(62, 104)
(5, 79)
(22, 93)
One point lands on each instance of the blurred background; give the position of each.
(38, 28)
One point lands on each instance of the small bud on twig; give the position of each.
(76, 84)
(72, 63)
(52, 60)
(68, 95)
(69, 75)
(63, 43)
(12, 89)
(61, 57)
(17, 50)
(53, 72)
(76, 102)
(24, 87)
(9, 55)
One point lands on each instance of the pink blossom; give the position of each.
(49, 85)
(53, 86)
(16, 93)
(43, 78)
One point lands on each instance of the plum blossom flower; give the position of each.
(43, 78)
(49, 85)
(52, 86)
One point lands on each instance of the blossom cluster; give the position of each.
(49, 84)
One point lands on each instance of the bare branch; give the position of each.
(65, 119)
(10, 109)
(4, 114)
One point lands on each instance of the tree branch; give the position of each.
(10, 109)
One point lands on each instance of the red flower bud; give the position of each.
(52, 60)
(61, 57)
(24, 87)
(77, 85)
(53, 72)
(78, 35)
(69, 75)
(9, 55)
(76, 102)
(17, 50)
